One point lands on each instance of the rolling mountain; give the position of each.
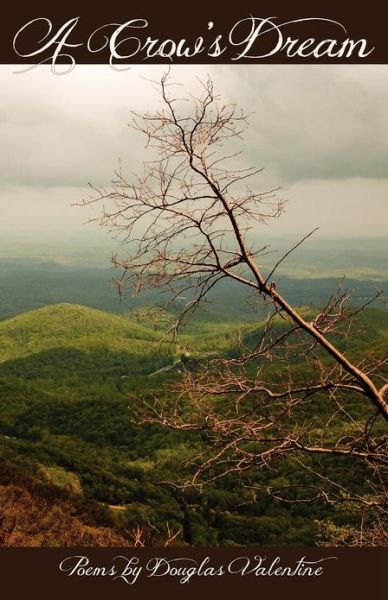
(72, 380)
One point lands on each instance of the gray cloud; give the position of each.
(315, 121)
(309, 122)
(320, 131)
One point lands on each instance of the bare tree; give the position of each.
(187, 219)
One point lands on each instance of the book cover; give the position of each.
(193, 322)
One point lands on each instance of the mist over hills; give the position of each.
(48, 275)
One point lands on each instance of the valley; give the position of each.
(72, 382)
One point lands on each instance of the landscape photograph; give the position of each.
(193, 306)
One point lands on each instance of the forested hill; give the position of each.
(71, 381)
(62, 324)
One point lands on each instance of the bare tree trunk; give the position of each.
(371, 391)
(189, 197)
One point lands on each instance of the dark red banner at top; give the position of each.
(250, 32)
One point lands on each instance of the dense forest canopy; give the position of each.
(71, 383)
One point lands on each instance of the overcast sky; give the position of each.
(321, 132)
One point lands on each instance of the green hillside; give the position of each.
(75, 345)
(62, 324)
(71, 381)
